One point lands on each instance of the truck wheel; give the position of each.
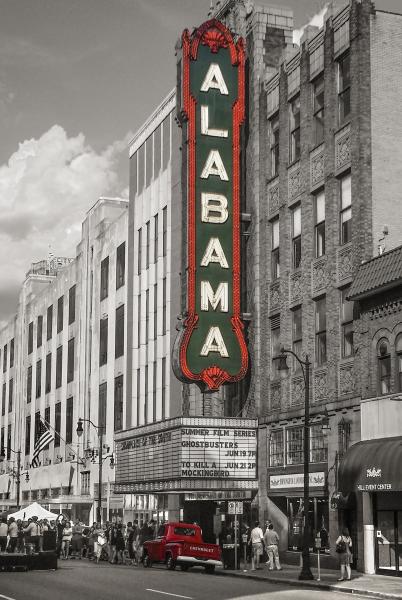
(146, 561)
(170, 563)
(210, 569)
(184, 567)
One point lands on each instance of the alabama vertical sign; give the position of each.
(211, 346)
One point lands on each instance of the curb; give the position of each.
(315, 585)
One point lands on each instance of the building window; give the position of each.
(341, 37)
(69, 420)
(47, 421)
(157, 150)
(119, 332)
(27, 435)
(10, 395)
(5, 359)
(57, 424)
(276, 448)
(398, 349)
(103, 335)
(141, 168)
(156, 236)
(273, 100)
(318, 109)
(148, 241)
(139, 252)
(39, 331)
(275, 264)
(346, 324)
(138, 391)
(146, 396)
(297, 336)
(275, 335)
(102, 408)
(146, 316)
(293, 80)
(29, 384)
(346, 209)
(344, 87)
(2, 438)
(319, 214)
(296, 236)
(164, 307)
(318, 444)
(294, 129)
(155, 311)
(12, 353)
(317, 60)
(85, 482)
(139, 320)
(294, 445)
(148, 160)
(3, 400)
(37, 425)
(163, 408)
(166, 142)
(384, 366)
(49, 323)
(343, 437)
(48, 375)
(120, 265)
(30, 338)
(70, 360)
(38, 379)
(164, 231)
(321, 331)
(154, 376)
(118, 403)
(71, 304)
(274, 144)
(59, 366)
(60, 312)
(9, 442)
(104, 282)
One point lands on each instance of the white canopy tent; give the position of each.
(34, 510)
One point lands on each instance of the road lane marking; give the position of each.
(6, 597)
(160, 592)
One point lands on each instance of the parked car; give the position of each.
(181, 544)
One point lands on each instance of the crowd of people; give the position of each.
(113, 541)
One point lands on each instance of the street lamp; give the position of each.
(99, 429)
(16, 473)
(305, 573)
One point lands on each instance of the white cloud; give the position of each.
(317, 20)
(45, 189)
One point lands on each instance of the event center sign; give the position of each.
(212, 348)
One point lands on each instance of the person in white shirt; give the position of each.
(256, 541)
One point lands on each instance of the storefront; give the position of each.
(188, 469)
(372, 469)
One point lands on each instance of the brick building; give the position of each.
(329, 126)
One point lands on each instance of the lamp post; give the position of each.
(16, 472)
(305, 573)
(100, 430)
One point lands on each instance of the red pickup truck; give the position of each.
(181, 544)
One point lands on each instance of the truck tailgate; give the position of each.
(201, 551)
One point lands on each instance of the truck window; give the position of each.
(161, 531)
(186, 531)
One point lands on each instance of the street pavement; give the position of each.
(84, 580)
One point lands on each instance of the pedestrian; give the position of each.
(76, 540)
(119, 544)
(21, 539)
(66, 540)
(271, 541)
(59, 532)
(13, 533)
(99, 541)
(343, 547)
(257, 546)
(32, 532)
(3, 534)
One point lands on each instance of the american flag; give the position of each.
(44, 438)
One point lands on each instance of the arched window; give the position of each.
(384, 366)
(398, 350)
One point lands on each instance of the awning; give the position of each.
(372, 466)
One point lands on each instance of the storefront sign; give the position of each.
(211, 347)
(374, 487)
(188, 449)
(220, 495)
(296, 480)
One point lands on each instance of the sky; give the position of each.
(77, 79)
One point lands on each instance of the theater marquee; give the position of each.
(212, 348)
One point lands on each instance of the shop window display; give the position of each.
(318, 516)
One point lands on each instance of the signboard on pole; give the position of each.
(235, 508)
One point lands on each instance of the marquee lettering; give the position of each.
(211, 345)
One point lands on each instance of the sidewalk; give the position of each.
(377, 586)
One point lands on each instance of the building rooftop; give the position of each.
(378, 274)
